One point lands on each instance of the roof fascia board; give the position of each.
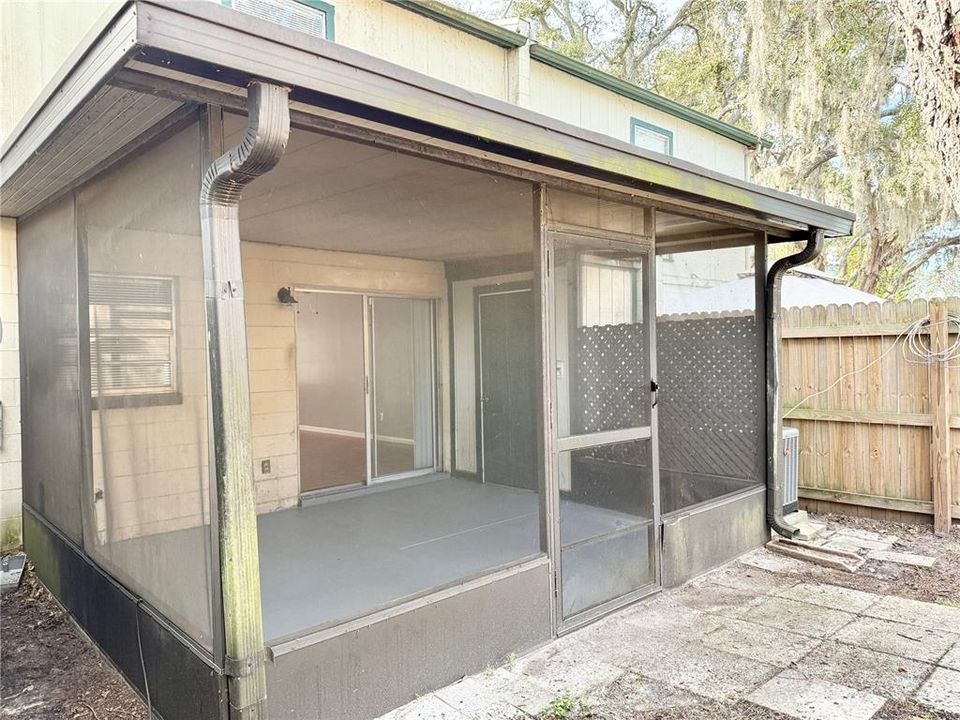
(103, 49)
(634, 92)
(452, 17)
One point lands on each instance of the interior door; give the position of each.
(507, 386)
(604, 461)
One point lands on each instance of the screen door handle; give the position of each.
(655, 389)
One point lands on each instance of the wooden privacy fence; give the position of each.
(883, 439)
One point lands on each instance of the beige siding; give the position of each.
(555, 93)
(10, 485)
(413, 41)
(36, 38)
(271, 340)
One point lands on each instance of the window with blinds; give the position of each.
(132, 339)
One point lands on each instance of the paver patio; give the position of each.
(753, 632)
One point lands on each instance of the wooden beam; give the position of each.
(923, 507)
(869, 417)
(940, 404)
(865, 330)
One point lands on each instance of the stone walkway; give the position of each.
(752, 632)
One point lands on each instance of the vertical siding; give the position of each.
(10, 483)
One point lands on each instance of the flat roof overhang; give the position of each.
(147, 66)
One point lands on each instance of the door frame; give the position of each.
(507, 288)
(366, 299)
(554, 445)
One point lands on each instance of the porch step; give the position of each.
(819, 555)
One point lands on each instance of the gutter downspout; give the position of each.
(262, 146)
(771, 297)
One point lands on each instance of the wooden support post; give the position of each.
(940, 404)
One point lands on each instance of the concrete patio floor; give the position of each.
(767, 635)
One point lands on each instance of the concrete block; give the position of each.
(751, 579)
(711, 597)
(794, 616)
(916, 612)
(771, 562)
(907, 641)
(942, 690)
(863, 669)
(800, 697)
(706, 671)
(428, 707)
(495, 695)
(830, 596)
(632, 695)
(902, 558)
(758, 642)
(952, 658)
(574, 671)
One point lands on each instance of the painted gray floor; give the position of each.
(339, 559)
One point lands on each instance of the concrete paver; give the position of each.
(496, 695)
(632, 694)
(915, 612)
(759, 642)
(942, 690)
(831, 596)
(429, 707)
(902, 558)
(880, 673)
(705, 671)
(758, 629)
(952, 658)
(798, 617)
(900, 639)
(800, 697)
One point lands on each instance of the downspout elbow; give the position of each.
(771, 298)
(259, 151)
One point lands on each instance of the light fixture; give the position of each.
(286, 297)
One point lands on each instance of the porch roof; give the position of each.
(147, 66)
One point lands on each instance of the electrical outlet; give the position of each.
(265, 467)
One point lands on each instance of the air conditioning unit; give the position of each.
(791, 470)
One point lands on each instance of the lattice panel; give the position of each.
(711, 398)
(612, 378)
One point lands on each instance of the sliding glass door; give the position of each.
(366, 386)
(603, 462)
(404, 380)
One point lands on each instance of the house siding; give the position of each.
(10, 465)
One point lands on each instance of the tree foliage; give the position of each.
(825, 80)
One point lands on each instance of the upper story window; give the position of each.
(313, 17)
(651, 137)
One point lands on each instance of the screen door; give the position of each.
(603, 457)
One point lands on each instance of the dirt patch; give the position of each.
(906, 710)
(50, 670)
(940, 583)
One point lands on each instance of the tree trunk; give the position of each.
(931, 33)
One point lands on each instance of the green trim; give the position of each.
(466, 22)
(328, 11)
(642, 95)
(636, 122)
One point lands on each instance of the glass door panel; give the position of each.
(604, 463)
(330, 390)
(403, 386)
